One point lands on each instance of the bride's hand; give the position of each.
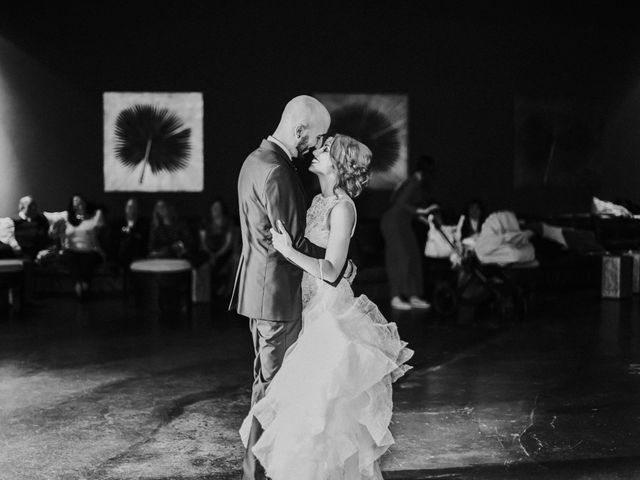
(281, 239)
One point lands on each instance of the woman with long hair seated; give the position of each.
(169, 237)
(77, 229)
(217, 241)
(470, 223)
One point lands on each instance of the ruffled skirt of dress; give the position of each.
(327, 412)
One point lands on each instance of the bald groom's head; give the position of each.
(303, 122)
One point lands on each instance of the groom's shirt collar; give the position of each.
(273, 139)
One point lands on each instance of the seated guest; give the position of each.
(77, 229)
(470, 223)
(31, 228)
(8, 243)
(217, 242)
(31, 232)
(168, 237)
(25, 234)
(130, 235)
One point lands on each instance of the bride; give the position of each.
(326, 414)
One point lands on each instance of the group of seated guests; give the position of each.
(83, 239)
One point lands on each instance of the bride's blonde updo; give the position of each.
(352, 161)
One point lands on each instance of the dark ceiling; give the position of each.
(97, 45)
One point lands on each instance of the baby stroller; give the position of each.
(473, 283)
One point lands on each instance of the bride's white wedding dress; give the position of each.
(326, 413)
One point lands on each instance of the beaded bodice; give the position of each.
(317, 232)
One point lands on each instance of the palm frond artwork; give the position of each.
(153, 141)
(153, 136)
(380, 122)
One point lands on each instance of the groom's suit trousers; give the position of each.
(270, 342)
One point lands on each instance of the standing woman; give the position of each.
(217, 242)
(78, 230)
(403, 258)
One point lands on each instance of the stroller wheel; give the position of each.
(445, 299)
(507, 308)
(513, 306)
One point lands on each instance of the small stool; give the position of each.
(160, 285)
(11, 280)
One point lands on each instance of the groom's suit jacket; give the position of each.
(267, 286)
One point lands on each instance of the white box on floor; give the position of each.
(635, 255)
(617, 276)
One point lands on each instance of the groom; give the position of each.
(267, 287)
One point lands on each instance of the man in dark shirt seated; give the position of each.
(31, 229)
(130, 236)
(25, 234)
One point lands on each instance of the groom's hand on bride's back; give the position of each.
(349, 269)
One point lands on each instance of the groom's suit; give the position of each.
(268, 287)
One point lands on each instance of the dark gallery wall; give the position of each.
(48, 134)
(622, 147)
(592, 65)
(461, 71)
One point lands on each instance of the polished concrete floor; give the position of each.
(96, 390)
